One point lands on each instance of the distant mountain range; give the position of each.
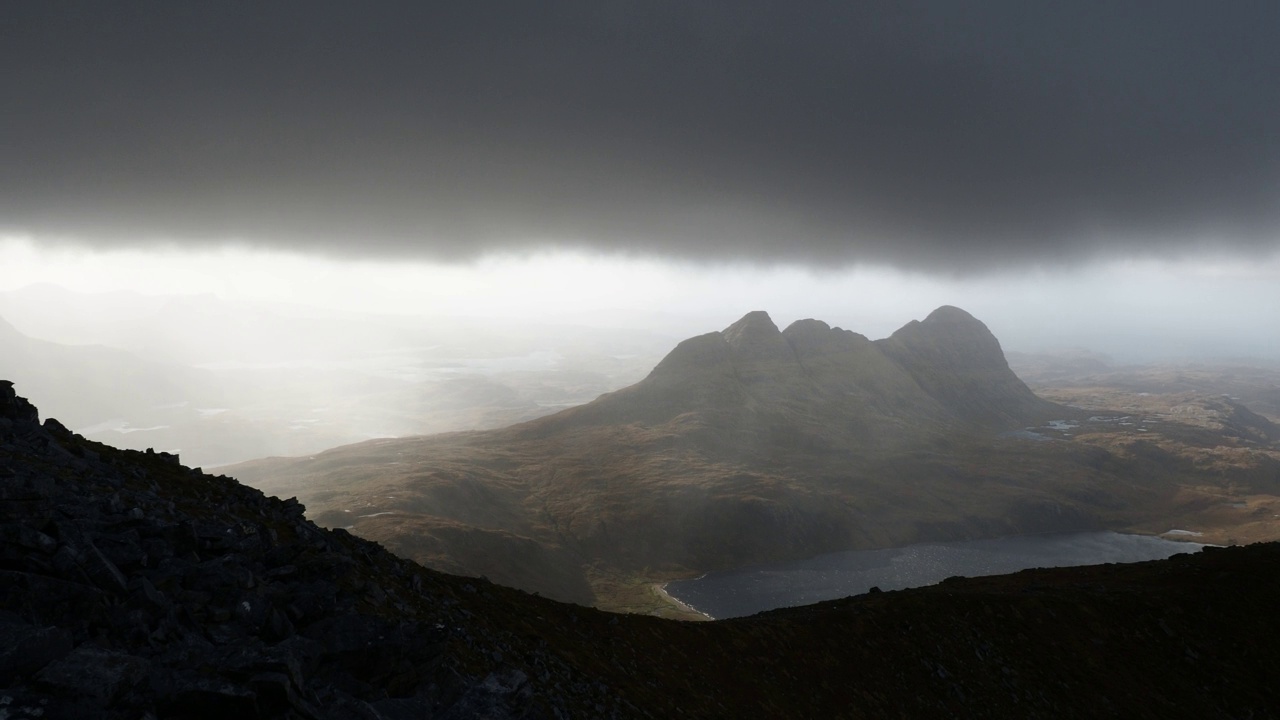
(223, 382)
(89, 384)
(1253, 381)
(751, 445)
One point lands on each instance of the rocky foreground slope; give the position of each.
(133, 587)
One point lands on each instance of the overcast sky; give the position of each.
(1121, 154)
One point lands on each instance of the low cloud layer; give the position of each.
(926, 135)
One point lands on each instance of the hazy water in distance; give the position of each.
(736, 593)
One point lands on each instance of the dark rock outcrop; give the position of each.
(131, 586)
(14, 408)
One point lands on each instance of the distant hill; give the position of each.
(1256, 383)
(115, 396)
(751, 445)
(89, 384)
(758, 389)
(132, 586)
(222, 382)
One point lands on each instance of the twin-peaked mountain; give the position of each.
(742, 446)
(818, 381)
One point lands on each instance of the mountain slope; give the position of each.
(131, 586)
(743, 446)
(956, 360)
(757, 391)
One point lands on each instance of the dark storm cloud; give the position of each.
(925, 134)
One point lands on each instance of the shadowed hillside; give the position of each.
(131, 586)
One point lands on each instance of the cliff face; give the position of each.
(131, 586)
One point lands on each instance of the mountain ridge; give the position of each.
(741, 446)
(751, 366)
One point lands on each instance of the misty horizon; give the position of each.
(1093, 178)
(223, 381)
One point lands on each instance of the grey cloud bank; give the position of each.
(926, 135)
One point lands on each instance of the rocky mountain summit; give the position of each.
(134, 587)
(956, 360)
